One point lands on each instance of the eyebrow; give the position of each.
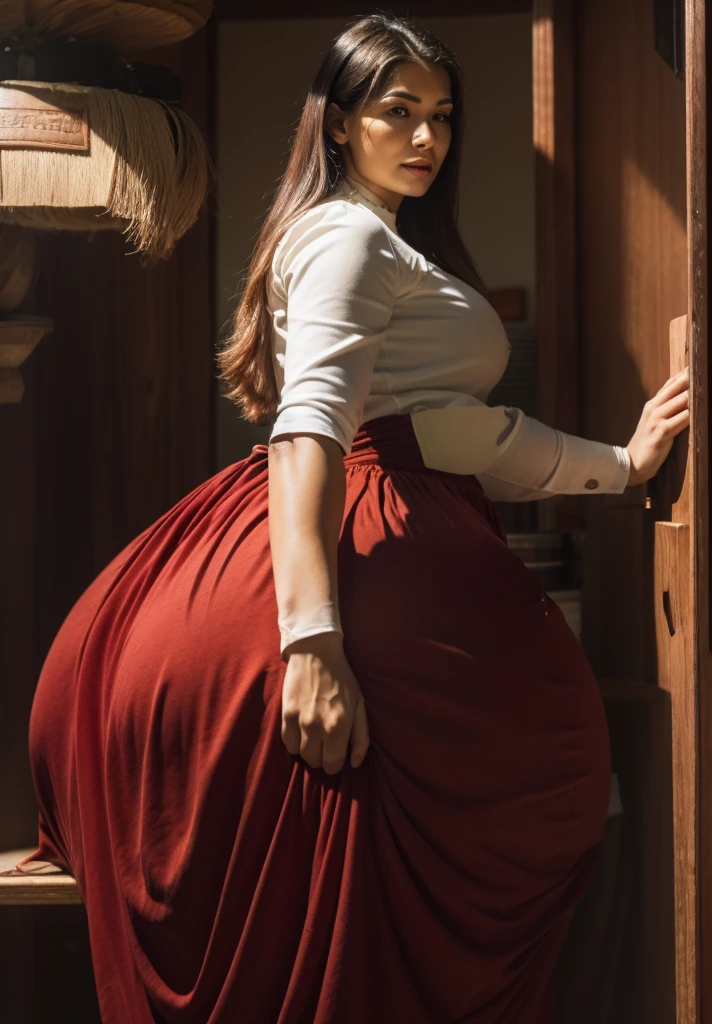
(415, 99)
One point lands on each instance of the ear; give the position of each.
(335, 123)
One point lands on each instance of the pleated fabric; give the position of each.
(227, 881)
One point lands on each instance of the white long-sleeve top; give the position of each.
(365, 326)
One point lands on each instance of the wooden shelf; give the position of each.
(19, 333)
(47, 884)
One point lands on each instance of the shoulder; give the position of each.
(334, 229)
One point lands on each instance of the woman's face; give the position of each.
(408, 124)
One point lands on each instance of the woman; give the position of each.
(317, 746)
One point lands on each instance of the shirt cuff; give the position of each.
(322, 619)
(589, 467)
(309, 421)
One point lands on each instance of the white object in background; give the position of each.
(570, 603)
(615, 806)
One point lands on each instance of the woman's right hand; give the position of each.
(664, 416)
(322, 705)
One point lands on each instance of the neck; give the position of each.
(391, 199)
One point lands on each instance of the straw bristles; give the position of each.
(134, 178)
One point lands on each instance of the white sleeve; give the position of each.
(340, 274)
(517, 457)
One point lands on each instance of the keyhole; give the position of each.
(668, 612)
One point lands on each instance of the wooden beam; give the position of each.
(237, 10)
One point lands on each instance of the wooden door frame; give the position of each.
(695, 930)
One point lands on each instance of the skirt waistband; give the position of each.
(390, 441)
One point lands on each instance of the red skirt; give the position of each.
(225, 880)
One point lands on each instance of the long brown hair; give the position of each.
(359, 65)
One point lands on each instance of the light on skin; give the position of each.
(410, 121)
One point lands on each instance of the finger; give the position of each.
(360, 737)
(311, 751)
(334, 751)
(675, 404)
(291, 733)
(675, 384)
(676, 424)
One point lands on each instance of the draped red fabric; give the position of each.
(225, 880)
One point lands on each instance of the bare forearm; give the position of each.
(307, 489)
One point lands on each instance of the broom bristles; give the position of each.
(140, 181)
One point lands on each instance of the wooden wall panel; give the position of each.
(553, 61)
(115, 426)
(632, 281)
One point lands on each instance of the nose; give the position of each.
(423, 136)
